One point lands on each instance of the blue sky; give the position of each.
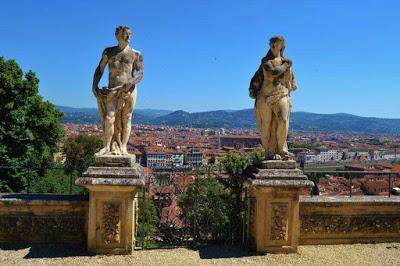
(201, 55)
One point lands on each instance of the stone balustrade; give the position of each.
(43, 218)
(344, 220)
(323, 220)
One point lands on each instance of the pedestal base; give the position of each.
(273, 191)
(112, 221)
(112, 186)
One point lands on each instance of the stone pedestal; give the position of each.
(112, 183)
(273, 198)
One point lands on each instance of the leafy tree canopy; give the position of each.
(29, 128)
(206, 209)
(148, 218)
(57, 181)
(79, 151)
(234, 165)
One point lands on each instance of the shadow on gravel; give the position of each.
(223, 252)
(48, 251)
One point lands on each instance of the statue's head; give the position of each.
(123, 35)
(277, 45)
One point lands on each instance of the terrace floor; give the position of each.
(356, 254)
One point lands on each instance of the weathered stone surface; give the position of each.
(290, 174)
(43, 218)
(285, 174)
(331, 224)
(42, 199)
(280, 174)
(112, 184)
(85, 181)
(324, 220)
(115, 160)
(354, 201)
(113, 175)
(279, 223)
(274, 187)
(281, 183)
(42, 228)
(116, 101)
(111, 223)
(343, 220)
(274, 223)
(277, 164)
(135, 171)
(271, 86)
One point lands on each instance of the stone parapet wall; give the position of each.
(345, 220)
(43, 219)
(323, 220)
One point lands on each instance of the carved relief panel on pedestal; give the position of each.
(279, 221)
(111, 223)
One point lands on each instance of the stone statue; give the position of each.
(271, 86)
(117, 101)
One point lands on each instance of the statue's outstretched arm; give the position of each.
(275, 70)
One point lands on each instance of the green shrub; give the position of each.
(147, 219)
(57, 181)
(206, 208)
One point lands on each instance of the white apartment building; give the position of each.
(322, 156)
(391, 156)
(164, 160)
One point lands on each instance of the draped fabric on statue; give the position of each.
(122, 107)
(271, 86)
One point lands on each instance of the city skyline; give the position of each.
(201, 56)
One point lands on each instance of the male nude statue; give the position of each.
(117, 101)
(270, 87)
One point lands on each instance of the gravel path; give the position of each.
(358, 254)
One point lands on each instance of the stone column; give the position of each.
(112, 183)
(273, 197)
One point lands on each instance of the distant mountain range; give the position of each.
(91, 116)
(299, 121)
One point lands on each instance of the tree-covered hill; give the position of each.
(300, 121)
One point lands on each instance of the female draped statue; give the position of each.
(270, 87)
